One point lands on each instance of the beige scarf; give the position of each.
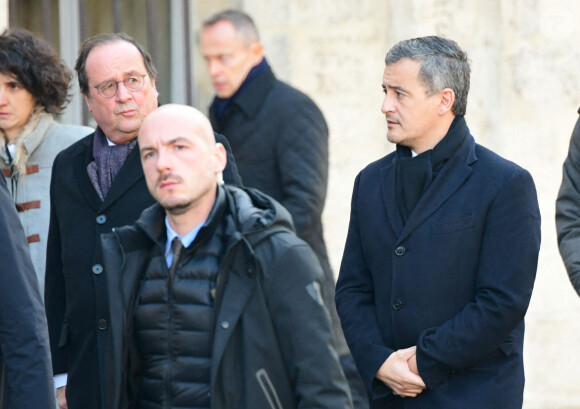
(20, 153)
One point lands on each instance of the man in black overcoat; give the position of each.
(279, 138)
(97, 184)
(442, 248)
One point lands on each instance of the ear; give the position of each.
(221, 157)
(154, 87)
(87, 101)
(257, 52)
(447, 98)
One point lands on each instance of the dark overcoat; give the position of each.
(25, 373)
(455, 280)
(75, 291)
(280, 140)
(568, 210)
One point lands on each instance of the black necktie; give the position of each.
(176, 246)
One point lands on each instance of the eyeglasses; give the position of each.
(108, 89)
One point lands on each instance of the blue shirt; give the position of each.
(185, 240)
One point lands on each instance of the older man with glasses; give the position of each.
(97, 184)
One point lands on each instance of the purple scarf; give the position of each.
(108, 161)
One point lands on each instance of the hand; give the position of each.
(61, 398)
(413, 364)
(396, 374)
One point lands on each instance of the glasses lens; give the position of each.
(134, 83)
(107, 89)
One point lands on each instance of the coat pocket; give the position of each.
(454, 226)
(268, 389)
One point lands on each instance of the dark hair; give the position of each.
(106, 38)
(38, 67)
(242, 22)
(443, 65)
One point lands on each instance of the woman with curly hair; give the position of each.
(34, 89)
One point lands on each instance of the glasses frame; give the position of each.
(98, 86)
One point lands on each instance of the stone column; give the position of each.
(3, 15)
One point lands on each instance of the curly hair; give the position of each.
(37, 67)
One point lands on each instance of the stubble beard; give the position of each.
(179, 208)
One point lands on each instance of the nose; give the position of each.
(3, 99)
(213, 68)
(123, 93)
(163, 162)
(388, 105)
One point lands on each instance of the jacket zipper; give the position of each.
(171, 330)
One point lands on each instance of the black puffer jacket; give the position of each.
(272, 344)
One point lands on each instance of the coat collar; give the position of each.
(33, 140)
(450, 178)
(251, 98)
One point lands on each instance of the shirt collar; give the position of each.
(185, 240)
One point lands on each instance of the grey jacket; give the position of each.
(31, 190)
(568, 210)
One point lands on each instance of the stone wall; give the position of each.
(525, 91)
(3, 15)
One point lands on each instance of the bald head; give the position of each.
(181, 160)
(182, 117)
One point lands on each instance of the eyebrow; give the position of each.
(125, 75)
(395, 87)
(170, 142)
(178, 139)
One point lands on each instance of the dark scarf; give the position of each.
(108, 161)
(220, 106)
(414, 175)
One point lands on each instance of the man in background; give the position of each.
(279, 138)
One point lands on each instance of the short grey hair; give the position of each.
(241, 21)
(443, 65)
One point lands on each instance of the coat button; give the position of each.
(400, 250)
(97, 269)
(225, 325)
(101, 219)
(397, 305)
(102, 324)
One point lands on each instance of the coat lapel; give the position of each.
(81, 162)
(131, 172)
(451, 177)
(389, 194)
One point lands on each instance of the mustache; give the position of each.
(169, 177)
